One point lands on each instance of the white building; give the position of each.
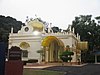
(32, 38)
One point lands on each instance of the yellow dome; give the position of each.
(36, 25)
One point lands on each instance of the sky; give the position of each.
(60, 13)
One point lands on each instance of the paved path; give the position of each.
(89, 69)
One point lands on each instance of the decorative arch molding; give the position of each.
(24, 45)
(49, 39)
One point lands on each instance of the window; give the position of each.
(24, 53)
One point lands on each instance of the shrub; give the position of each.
(66, 56)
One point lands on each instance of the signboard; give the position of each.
(2, 58)
(14, 53)
(82, 45)
(14, 67)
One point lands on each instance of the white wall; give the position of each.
(34, 47)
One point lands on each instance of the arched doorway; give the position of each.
(52, 47)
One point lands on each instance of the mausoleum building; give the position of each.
(39, 42)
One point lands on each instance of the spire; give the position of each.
(44, 29)
(12, 30)
(50, 28)
(27, 20)
(35, 15)
(73, 30)
(21, 26)
(70, 28)
(77, 35)
(50, 25)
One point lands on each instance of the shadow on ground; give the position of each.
(88, 69)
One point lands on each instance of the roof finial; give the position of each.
(77, 35)
(12, 30)
(70, 28)
(35, 15)
(27, 20)
(73, 30)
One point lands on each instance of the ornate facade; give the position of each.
(37, 44)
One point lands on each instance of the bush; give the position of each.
(66, 56)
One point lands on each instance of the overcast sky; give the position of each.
(58, 12)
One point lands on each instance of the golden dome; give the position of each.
(36, 25)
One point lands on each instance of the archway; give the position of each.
(52, 47)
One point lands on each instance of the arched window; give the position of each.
(24, 45)
(24, 53)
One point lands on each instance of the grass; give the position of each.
(41, 72)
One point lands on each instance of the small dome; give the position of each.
(36, 25)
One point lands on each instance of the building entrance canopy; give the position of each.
(46, 41)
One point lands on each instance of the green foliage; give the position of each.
(55, 29)
(66, 56)
(40, 51)
(66, 53)
(7, 22)
(89, 31)
(5, 28)
(98, 17)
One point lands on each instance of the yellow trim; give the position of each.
(46, 41)
(24, 45)
(82, 45)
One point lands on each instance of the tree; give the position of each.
(89, 31)
(55, 29)
(98, 19)
(5, 27)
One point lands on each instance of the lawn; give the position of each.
(41, 72)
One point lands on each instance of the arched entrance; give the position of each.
(52, 47)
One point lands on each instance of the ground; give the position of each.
(83, 69)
